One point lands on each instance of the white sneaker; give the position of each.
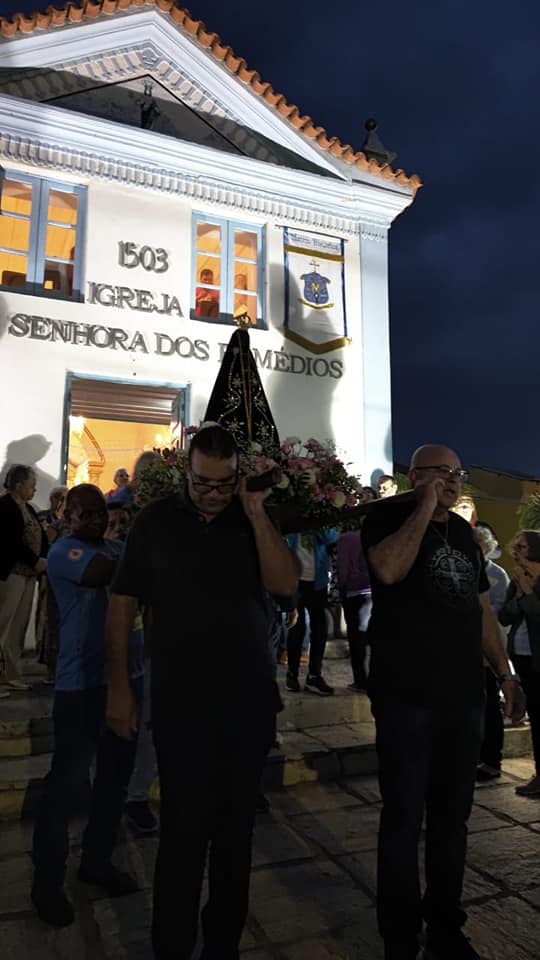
(4, 694)
(19, 685)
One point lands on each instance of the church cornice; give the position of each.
(87, 148)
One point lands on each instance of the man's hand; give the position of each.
(253, 500)
(41, 566)
(427, 494)
(292, 618)
(121, 712)
(514, 700)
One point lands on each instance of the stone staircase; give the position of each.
(322, 738)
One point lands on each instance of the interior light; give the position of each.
(76, 425)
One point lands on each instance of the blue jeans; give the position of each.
(79, 736)
(427, 762)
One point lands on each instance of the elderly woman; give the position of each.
(120, 480)
(23, 548)
(521, 612)
(47, 624)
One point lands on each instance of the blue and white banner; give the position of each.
(315, 315)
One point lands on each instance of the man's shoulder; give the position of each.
(64, 545)
(463, 529)
(68, 556)
(386, 516)
(161, 509)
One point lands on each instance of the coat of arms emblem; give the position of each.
(316, 289)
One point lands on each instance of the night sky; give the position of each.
(455, 88)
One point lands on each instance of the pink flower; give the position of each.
(285, 448)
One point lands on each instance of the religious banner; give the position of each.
(315, 316)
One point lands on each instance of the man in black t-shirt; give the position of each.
(202, 562)
(430, 626)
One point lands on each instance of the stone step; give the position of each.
(26, 724)
(321, 753)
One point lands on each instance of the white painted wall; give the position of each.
(33, 373)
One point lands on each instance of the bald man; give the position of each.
(430, 626)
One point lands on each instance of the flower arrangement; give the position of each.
(313, 478)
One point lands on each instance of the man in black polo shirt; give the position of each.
(203, 561)
(430, 625)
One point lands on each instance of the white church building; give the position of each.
(154, 190)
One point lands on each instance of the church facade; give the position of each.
(155, 192)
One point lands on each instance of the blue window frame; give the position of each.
(227, 271)
(42, 227)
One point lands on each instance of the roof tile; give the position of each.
(176, 14)
(59, 16)
(190, 24)
(91, 9)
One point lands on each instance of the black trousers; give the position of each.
(79, 736)
(316, 602)
(492, 746)
(209, 783)
(530, 681)
(356, 637)
(427, 762)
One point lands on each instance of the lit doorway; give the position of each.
(109, 423)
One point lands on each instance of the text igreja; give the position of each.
(116, 338)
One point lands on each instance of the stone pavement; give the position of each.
(313, 881)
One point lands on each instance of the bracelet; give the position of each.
(511, 677)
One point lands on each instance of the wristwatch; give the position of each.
(512, 677)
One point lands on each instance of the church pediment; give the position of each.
(185, 113)
(141, 85)
(111, 41)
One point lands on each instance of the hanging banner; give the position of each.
(315, 315)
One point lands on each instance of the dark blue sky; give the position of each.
(455, 88)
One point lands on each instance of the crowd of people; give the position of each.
(205, 588)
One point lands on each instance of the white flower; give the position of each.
(292, 440)
(284, 482)
(255, 447)
(339, 499)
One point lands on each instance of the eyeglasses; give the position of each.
(449, 473)
(202, 487)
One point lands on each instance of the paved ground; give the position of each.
(313, 882)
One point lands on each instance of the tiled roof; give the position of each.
(23, 23)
